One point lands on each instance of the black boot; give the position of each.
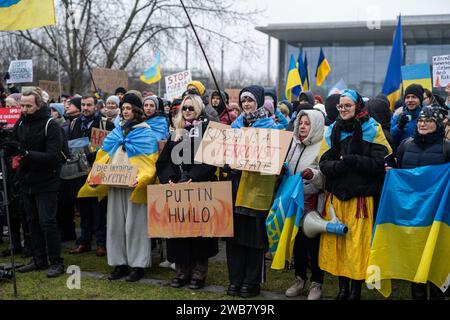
(119, 272)
(355, 294)
(419, 291)
(344, 288)
(436, 293)
(136, 274)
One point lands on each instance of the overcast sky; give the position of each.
(295, 11)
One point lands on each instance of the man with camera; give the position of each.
(38, 144)
(92, 212)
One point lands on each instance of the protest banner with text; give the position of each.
(10, 115)
(97, 137)
(113, 174)
(190, 210)
(20, 71)
(176, 84)
(250, 149)
(441, 71)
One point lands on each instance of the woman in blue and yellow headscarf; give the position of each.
(253, 194)
(132, 142)
(352, 160)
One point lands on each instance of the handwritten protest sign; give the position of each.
(176, 84)
(113, 174)
(10, 115)
(51, 87)
(250, 149)
(20, 71)
(441, 71)
(97, 137)
(108, 80)
(190, 210)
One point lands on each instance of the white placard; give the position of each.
(441, 71)
(176, 84)
(20, 71)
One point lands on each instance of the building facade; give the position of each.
(358, 52)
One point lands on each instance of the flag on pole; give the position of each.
(153, 74)
(306, 82)
(26, 14)
(392, 86)
(323, 69)
(293, 79)
(303, 72)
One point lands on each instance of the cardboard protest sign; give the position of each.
(108, 80)
(250, 149)
(176, 84)
(113, 174)
(97, 137)
(441, 71)
(20, 71)
(51, 87)
(190, 210)
(10, 115)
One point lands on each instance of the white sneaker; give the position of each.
(315, 291)
(172, 266)
(165, 264)
(296, 287)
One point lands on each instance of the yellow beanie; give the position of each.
(200, 87)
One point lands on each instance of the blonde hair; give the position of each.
(178, 121)
(37, 94)
(197, 102)
(283, 109)
(12, 102)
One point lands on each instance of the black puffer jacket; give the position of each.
(365, 178)
(39, 170)
(379, 110)
(422, 150)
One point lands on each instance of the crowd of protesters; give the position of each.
(50, 157)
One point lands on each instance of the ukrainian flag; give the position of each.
(306, 81)
(303, 72)
(26, 14)
(323, 69)
(142, 150)
(411, 238)
(392, 86)
(293, 80)
(153, 74)
(284, 219)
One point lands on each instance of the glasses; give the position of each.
(344, 106)
(426, 121)
(188, 108)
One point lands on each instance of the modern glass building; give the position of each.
(358, 52)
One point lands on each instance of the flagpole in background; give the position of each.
(59, 67)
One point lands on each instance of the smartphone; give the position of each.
(391, 161)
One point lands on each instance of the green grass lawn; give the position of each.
(36, 285)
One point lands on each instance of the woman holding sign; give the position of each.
(131, 143)
(252, 196)
(189, 254)
(352, 160)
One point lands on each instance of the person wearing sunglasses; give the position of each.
(352, 161)
(191, 254)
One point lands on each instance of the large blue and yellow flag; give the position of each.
(392, 86)
(26, 14)
(153, 74)
(142, 150)
(411, 237)
(323, 68)
(284, 219)
(306, 83)
(302, 72)
(292, 80)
